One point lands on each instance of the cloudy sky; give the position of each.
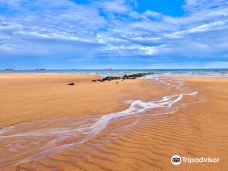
(65, 34)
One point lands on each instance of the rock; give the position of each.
(134, 76)
(71, 84)
(109, 78)
(131, 76)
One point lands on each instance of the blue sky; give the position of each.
(65, 34)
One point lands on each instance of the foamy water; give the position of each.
(158, 72)
(30, 141)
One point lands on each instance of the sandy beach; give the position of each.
(46, 124)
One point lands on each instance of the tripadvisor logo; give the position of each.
(176, 160)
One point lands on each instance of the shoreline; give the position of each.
(210, 72)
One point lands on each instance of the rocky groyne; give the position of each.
(124, 77)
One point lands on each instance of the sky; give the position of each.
(96, 34)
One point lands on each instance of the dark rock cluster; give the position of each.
(131, 76)
(71, 84)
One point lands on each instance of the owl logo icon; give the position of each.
(176, 160)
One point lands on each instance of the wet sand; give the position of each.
(144, 141)
(26, 97)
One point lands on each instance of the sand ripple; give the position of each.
(29, 141)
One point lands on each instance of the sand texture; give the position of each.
(135, 125)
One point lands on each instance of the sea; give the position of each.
(119, 72)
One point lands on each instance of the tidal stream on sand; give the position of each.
(28, 141)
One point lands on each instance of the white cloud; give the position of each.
(198, 29)
(60, 20)
(196, 5)
(36, 26)
(116, 6)
(192, 34)
(191, 2)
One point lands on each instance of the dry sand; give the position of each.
(145, 143)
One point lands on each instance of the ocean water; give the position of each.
(157, 72)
